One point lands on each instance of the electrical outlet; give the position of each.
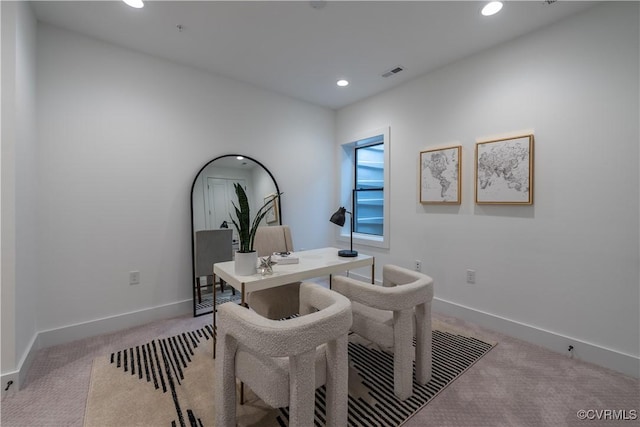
(134, 277)
(418, 265)
(9, 385)
(471, 276)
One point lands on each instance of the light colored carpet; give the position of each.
(515, 384)
(168, 381)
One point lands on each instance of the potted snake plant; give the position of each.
(246, 258)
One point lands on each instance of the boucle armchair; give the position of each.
(283, 362)
(282, 301)
(390, 315)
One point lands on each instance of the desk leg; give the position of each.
(243, 303)
(215, 334)
(373, 272)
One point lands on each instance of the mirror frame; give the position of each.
(193, 250)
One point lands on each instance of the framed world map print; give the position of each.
(504, 171)
(440, 175)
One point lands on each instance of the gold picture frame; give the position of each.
(272, 214)
(440, 175)
(504, 171)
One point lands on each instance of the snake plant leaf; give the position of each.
(242, 222)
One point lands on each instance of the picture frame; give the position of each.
(440, 175)
(272, 215)
(504, 171)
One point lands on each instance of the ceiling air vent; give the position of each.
(394, 70)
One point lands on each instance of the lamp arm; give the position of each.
(353, 208)
(351, 239)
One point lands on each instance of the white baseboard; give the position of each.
(626, 364)
(65, 334)
(608, 358)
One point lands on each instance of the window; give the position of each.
(368, 192)
(365, 188)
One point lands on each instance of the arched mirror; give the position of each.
(213, 237)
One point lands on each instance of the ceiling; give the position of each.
(301, 48)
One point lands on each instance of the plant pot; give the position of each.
(246, 263)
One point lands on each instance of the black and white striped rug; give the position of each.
(452, 355)
(169, 381)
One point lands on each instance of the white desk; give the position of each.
(313, 263)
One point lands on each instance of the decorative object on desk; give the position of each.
(266, 265)
(440, 175)
(247, 258)
(224, 224)
(504, 171)
(285, 258)
(338, 218)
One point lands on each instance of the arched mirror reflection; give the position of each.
(214, 239)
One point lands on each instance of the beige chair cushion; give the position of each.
(282, 301)
(270, 239)
(276, 303)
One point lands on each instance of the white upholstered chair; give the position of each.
(284, 361)
(282, 301)
(390, 315)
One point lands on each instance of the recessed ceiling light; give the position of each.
(342, 83)
(492, 8)
(134, 3)
(239, 157)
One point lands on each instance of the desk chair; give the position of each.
(391, 315)
(211, 246)
(282, 301)
(285, 361)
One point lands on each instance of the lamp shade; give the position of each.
(339, 217)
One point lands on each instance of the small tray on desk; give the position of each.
(283, 258)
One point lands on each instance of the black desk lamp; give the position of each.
(338, 218)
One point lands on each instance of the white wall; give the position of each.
(19, 185)
(121, 137)
(568, 265)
